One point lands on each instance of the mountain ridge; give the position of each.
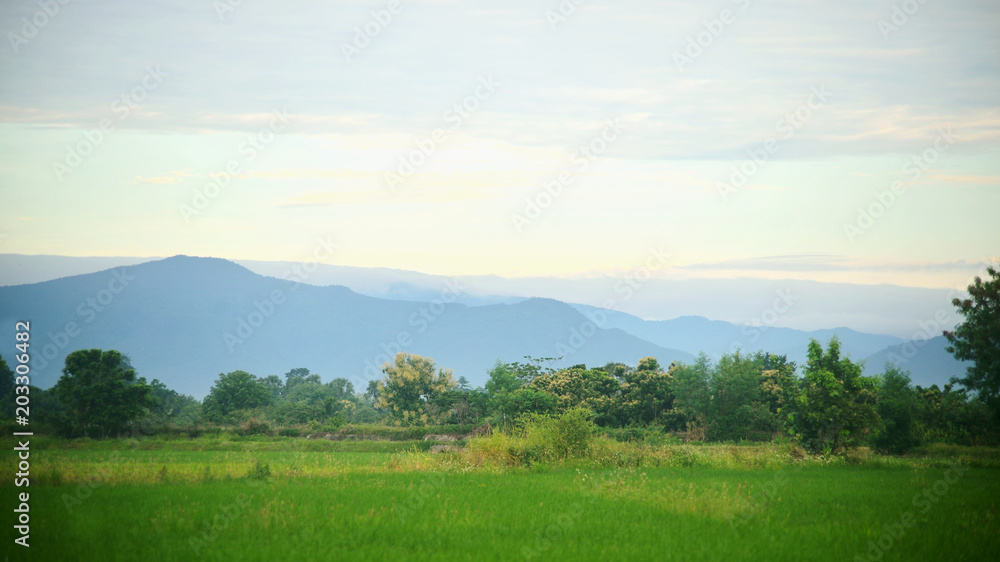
(184, 320)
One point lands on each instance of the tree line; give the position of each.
(741, 397)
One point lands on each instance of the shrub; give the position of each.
(289, 432)
(859, 455)
(333, 424)
(253, 426)
(566, 436)
(260, 471)
(796, 452)
(630, 434)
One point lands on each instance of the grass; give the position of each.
(268, 500)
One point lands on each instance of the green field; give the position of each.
(193, 500)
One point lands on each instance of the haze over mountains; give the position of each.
(185, 320)
(875, 309)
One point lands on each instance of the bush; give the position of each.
(630, 434)
(333, 424)
(555, 438)
(253, 426)
(796, 452)
(859, 455)
(289, 432)
(260, 471)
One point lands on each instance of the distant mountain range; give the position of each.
(873, 309)
(184, 320)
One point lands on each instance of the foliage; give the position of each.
(836, 407)
(691, 390)
(565, 436)
(897, 406)
(235, 391)
(168, 408)
(579, 387)
(949, 416)
(260, 471)
(100, 393)
(978, 338)
(409, 388)
(253, 426)
(646, 394)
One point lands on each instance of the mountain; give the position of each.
(184, 320)
(927, 360)
(20, 269)
(792, 303)
(695, 334)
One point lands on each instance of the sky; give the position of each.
(837, 141)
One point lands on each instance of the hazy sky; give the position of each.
(637, 115)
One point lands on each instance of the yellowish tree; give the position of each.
(409, 389)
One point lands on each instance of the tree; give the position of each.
(645, 391)
(101, 393)
(836, 407)
(691, 392)
(371, 391)
(897, 407)
(410, 386)
(235, 391)
(503, 379)
(578, 386)
(276, 385)
(299, 376)
(978, 338)
(740, 405)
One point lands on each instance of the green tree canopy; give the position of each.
(409, 389)
(836, 407)
(897, 408)
(646, 393)
(238, 390)
(100, 393)
(978, 338)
